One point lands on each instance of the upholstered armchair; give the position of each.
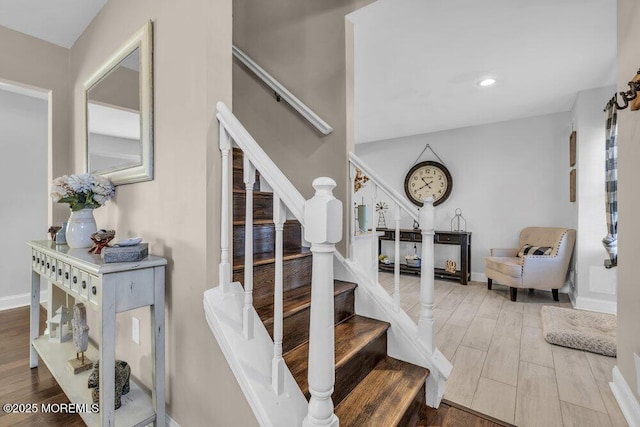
(540, 262)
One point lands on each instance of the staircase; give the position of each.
(371, 388)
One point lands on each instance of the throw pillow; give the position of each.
(534, 250)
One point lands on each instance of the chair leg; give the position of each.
(555, 294)
(489, 283)
(514, 293)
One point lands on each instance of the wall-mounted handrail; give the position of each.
(283, 92)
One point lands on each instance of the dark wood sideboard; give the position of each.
(460, 238)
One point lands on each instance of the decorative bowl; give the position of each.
(414, 262)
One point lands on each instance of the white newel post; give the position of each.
(224, 270)
(277, 364)
(323, 229)
(353, 222)
(426, 321)
(247, 311)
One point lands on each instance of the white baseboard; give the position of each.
(478, 277)
(170, 422)
(626, 399)
(592, 304)
(14, 301)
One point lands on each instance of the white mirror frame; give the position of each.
(142, 39)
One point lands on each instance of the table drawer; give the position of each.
(94, 290)
(447, 238)
(51, 267)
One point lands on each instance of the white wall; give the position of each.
(595, 286)
(23, 172)
(506, 176)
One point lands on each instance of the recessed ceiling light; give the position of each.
(487, 82)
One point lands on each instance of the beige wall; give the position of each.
(31, 62)
(177, 212)
(628, 196)
(302, 44)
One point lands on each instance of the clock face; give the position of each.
(428, 179)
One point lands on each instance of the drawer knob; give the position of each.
(84, 284)
(53, 268)
(59, 272)
(42, 262)
(33, 257)
(47, 266)
(94, 290)
(66, 275)
(75, 279)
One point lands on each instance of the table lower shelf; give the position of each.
(440, 273)
(136, 408)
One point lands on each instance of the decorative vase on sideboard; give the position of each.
(80, 227)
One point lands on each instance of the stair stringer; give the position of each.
(371, 300)
(250, 360)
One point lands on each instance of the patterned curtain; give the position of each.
(610, 241)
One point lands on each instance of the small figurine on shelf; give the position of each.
(59, 329)
(80, 339)
(381, 207)
(123, 372)
(413, 260)
(101, 239)
(450, 266)
(53, 230)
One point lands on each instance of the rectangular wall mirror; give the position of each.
(118, 101)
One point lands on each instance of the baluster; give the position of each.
(374, 237)
(277, 365)
(396, 264)
(426, 321)
(353, 222)
(249, 176)
(323, 229)
(224, 271)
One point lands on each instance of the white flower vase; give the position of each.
(80, 227)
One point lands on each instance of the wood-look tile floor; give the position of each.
(503, 367)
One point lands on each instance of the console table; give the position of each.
(459, 238)
(108, 289)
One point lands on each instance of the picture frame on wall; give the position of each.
(572, 149)
(572, 185)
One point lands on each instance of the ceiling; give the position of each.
(60, 22)
(417, 62)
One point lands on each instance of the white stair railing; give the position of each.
(425, 217)
(323, 213)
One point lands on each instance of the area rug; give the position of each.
(582, 330)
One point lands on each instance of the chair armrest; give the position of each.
(504, 252)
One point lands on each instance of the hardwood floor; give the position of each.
(503, 367)
(450, 414)
(20, 384)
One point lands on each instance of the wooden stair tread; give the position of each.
(351, 336)
(269, 257)
(383, 397)
(299, 299)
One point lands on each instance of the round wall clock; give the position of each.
(428, 179)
